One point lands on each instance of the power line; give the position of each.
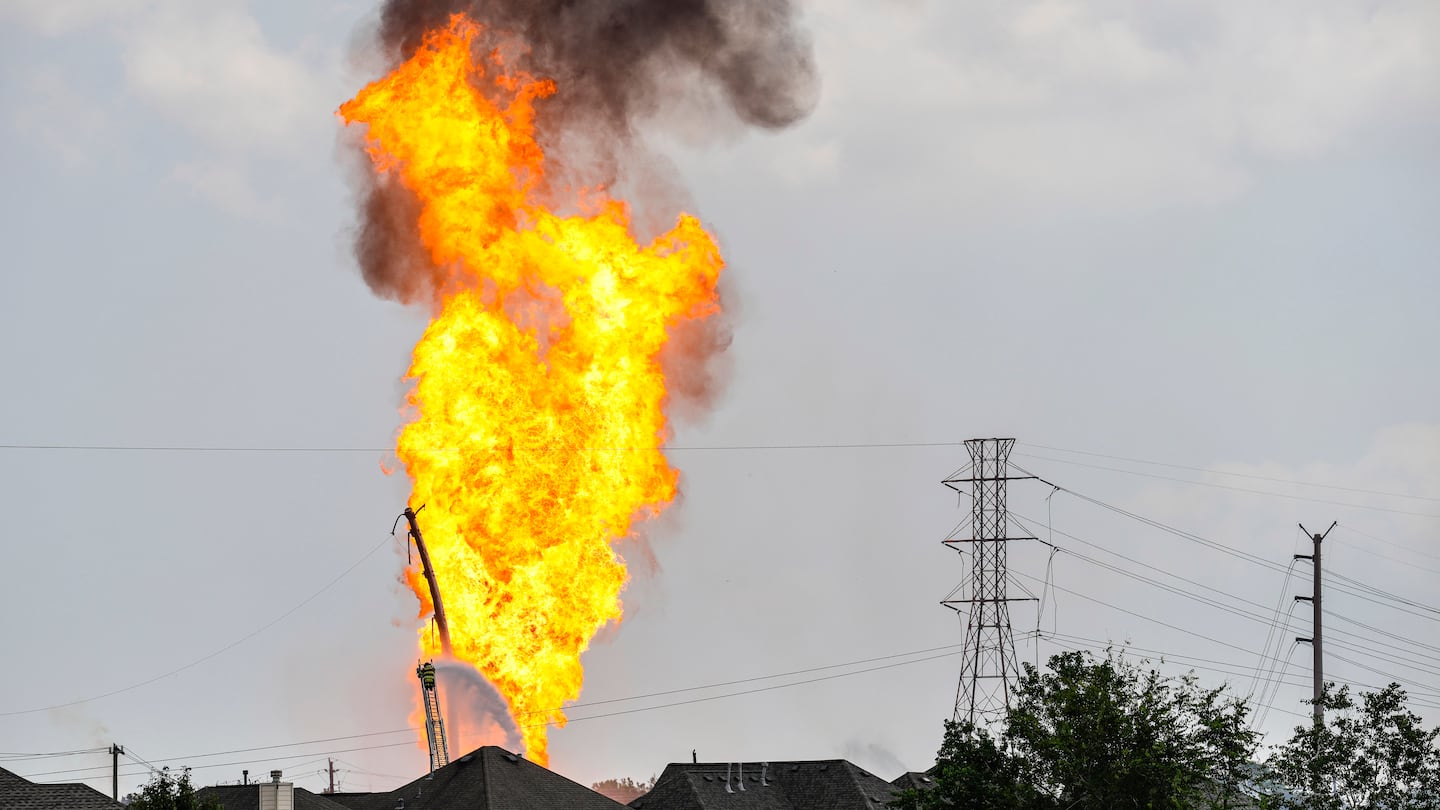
(1347, 646)
(17, 756)
(588, 704)
(1209, 471)
(751, 691)
(232, 645)
(106, 769)
(218, 448)
(1232, 488)
(221, 448)
(190, 757)
(951, 648)
(1372, 552)
(1207, 664)
(1390, 657)
(1192, 537)
(1348, 527)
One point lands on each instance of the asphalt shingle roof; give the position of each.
(827, 784)
(488, 778)
(913, 779)
(19, 793)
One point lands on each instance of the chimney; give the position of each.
(276, 795)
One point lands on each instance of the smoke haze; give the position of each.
(621, 66)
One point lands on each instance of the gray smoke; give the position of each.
(621, 66)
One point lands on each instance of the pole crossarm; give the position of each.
(1317, 641)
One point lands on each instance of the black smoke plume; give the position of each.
(616, 59)
(620, 65)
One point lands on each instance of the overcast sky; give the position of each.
(1198, 233)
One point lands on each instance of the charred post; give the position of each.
(429, 571)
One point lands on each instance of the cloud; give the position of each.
(207, 70)
(226, 185)
(1114, 103)
(210, 69)
(54, 115)
(54, 17)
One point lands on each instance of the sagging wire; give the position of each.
(1047, 588)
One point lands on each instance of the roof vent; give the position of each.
(763, 767)
(512, 758)
(709, 778)
(466, 758)
(727, 779)
(740, 776)
(275, 776)
(399, 804)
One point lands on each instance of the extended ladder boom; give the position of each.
(434, 722)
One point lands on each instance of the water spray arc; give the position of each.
(989, 667)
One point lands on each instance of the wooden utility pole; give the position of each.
(429, 572)
(115, 752)
(1317, 640)
(332, 777)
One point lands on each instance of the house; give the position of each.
(919, 780)
(272, 795)
(488, 778)
(19, 793)
(826, 784)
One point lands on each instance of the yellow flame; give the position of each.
(536, 438)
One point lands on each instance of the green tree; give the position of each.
(623, 790)
(167, 791)
(972, 771)
(1370, 754)
(1098, 733)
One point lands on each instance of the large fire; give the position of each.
(538, 391)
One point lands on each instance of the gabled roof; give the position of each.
(826, 784)
(488, 778)
(247, 797)
(919, 780)
(19, 793)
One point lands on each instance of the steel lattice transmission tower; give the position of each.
(990, 669)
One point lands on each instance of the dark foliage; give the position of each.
(1370, 753)
(167, 791)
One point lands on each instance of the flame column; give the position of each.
(989, 667)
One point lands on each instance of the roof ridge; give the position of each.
(485, 776)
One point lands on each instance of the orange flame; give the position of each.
(538, 393)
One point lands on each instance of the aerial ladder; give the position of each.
(429, 694)
(434, 722)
